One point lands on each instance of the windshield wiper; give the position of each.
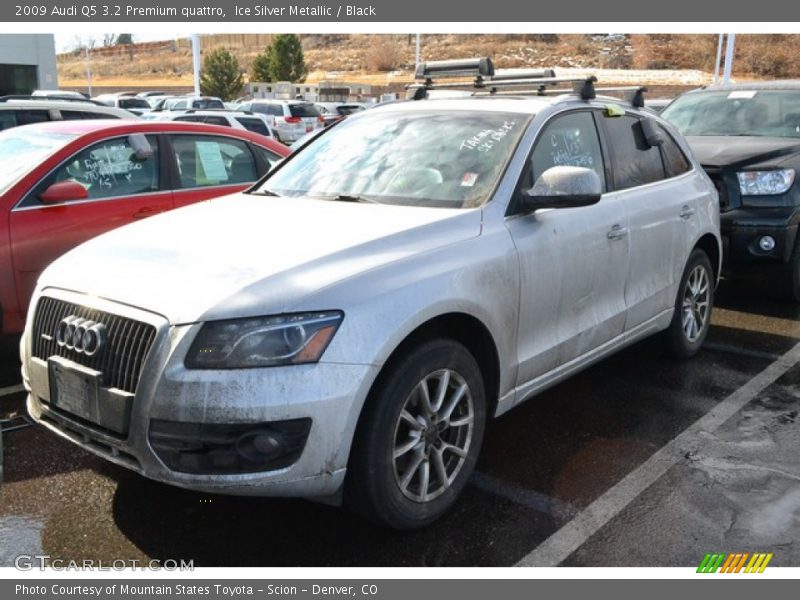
(265, 193)
(351, 198)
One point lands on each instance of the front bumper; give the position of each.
(331, 395)
(742, 229)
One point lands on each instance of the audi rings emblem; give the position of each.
(81, 335)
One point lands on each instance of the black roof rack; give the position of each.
(194, 110)
(50, 99)
(487, 80)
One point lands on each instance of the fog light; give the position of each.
(766, 243)
(220, 448)
(260, 445)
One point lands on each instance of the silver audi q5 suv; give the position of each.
(345, 329)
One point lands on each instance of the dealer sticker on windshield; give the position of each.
(469, 179)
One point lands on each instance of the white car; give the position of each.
(346, 328)
(255, 122)
(24, 110)
(136, 105)
(289, 119)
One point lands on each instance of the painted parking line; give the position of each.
(736, 319)
(574, 534)
(11, 389)
(529, 498)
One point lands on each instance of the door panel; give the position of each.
(572, 281)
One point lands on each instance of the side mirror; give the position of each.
(140, 146)
(64, 191)
(564, 187)
(653, 135)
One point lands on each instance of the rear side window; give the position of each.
(190, 119)
(635, 163)
(675, 161)
(74, 115)
(12, 118)
(254, 125)
(303, 110)
(212, 160)
(270, 158)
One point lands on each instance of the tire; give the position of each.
(398, 440)
(692, 318)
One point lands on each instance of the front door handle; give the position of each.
(617, 232)
(686, 211)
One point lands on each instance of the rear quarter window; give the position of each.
(675, 161)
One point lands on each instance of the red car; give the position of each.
(64, 182)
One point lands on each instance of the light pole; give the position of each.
(196, 62)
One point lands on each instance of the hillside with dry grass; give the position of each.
(388, 59)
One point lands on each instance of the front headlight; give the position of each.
(765, 183)
(263, 341)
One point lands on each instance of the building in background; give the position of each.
(324, 91)
(27, 62)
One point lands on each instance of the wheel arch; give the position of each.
(465, 329)
(709, 244)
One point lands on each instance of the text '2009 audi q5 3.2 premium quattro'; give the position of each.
(345, 329)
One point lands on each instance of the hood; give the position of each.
(731, 150)
(190, 264)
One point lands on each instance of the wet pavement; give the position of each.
(541, 465)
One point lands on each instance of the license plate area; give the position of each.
(74, 389)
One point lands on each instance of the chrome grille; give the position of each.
(128, 343)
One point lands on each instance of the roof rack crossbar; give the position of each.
(477, 67)
(633, 94)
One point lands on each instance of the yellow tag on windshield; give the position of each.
(614, 110)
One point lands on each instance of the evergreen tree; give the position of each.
(259, 71)
(221, 75)
(286, 58)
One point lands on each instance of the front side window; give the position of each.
(635, 162)
(212, 160)
(432, 158)
(111, 169)
(568, 141)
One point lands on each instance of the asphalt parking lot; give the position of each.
(638, 461)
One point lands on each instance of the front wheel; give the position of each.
(419, 437)
(692, 318)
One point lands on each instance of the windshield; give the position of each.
(19, 149)
(419, 158)
(772, 113)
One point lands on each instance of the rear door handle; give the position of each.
(617, 232)
(686, 211)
